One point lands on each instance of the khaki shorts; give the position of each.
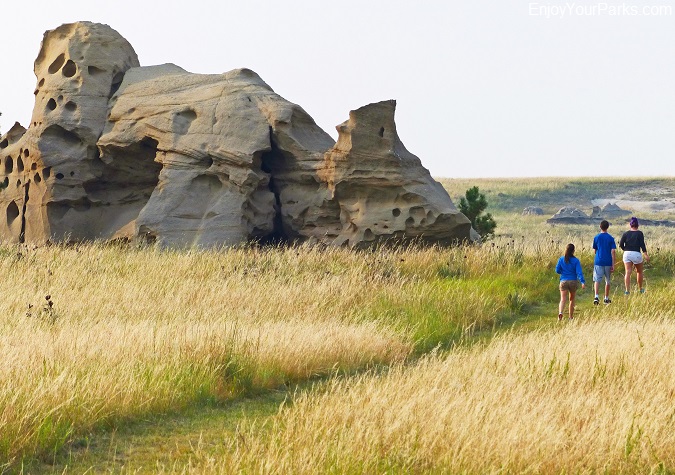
(571, 285)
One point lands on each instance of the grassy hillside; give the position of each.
(297, 360)
(513, 194)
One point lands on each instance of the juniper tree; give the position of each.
(472, 206)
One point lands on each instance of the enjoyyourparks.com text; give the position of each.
(572, 9)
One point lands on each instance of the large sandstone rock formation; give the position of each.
(158, 153)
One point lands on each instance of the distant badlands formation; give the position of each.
(156, 153)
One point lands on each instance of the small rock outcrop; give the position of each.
(610, 210)
(115, 150)
(532, 210)
(569, 215)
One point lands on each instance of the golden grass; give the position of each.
(595, 396)
(135, 332)
(139, 331)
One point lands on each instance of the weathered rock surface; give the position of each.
(118, 150)
(52, 166)
(532, 210)
(211, 143)
(382, 190)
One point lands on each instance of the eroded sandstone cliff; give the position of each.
(115, 150)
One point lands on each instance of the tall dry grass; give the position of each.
(136, 331)
(597, 396)
(132, 332)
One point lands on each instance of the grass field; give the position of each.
(298, 360)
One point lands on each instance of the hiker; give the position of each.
(570, 272)
(604, 248)
(632, 242)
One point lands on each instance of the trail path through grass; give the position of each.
(162, 441)
(159, 442)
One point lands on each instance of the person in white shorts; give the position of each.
(634, 254)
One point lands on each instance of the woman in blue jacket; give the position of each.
(571, 275)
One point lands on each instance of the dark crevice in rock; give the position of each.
(272, 162)
(22, 233)
(116, 83)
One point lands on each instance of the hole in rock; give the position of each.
(130, 171)
(94, 71)
(182, 121)
(47, 172)
(4, 144)
(72, 173)
(37, 178)
(59, 176)
(381, 132)
(70, 106)
(12, 213)
(409, 222)
(42, 82)
(19, 164)
(51, 104)
(26, 153)
(418, 213)
(116, 83)
(33, 166)
(9, 165)
(58, 132)
(57, 63)
(69, 69)
(396, 212)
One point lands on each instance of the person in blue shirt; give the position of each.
(571, 275)
(604, 247)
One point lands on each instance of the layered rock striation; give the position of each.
(115, 150)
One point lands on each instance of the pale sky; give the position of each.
(485, 88)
